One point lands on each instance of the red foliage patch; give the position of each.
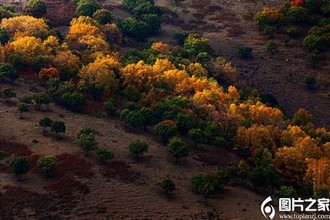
(14, 148)
(297, 3)
(73, 165)
(119, 168)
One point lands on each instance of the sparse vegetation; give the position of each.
(138, 148)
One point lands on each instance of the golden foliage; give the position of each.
(23, 26)
(161, 47)
(101, 72)
(28, 48)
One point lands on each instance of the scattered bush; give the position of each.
(4, 35)
(104, 155)
(58, 127)
(177, 149)
(8, 71)
(86, 141)
(87, 8)
(271, 46)
(286, 192)
(245, 52)
(310, 82)
(168, 186)
(20, 166)
(103, 16)
(138, 147)
(47, 165)
(166, 129)
(22, 107)
(45, 122)
(36, 8)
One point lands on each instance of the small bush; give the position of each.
(177, 148)
(36, 8)
(138, 147)
(310, 82)
(167, 186)
(245, 52)
(104, 155)
(87, 8)
(271, 46)
(20, 166)
(103, 16)
(47, 165)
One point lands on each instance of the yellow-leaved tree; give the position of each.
(101, 72)
(22, 26)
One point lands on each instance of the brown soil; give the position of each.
(113, 191)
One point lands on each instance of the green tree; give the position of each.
(58, 127)
(138, 147)
(8, 93)
(73, 100)
(177, 148)
(20, 166)
(47, 165)
(8, 71)
(4, 36)
(103, 16)
(104, 155)
(271, 46)
(36, 8)
(168, 186)
(166, 129)
(197, 136)
(205, 185)
(22, 107)
(45, 122)
(139, 30)
(87, 142)
(195, 45)
(41, 99)
(87, 8)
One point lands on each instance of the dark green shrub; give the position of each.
(245, 52)
(2, 155)
(73, 101)
(109, 108)
(177, 148)
(58, 127)
(104, 155)
(139, 30)
(180, 37)
(87, 142)
(310, 82)
(22, 107)
(166, 129)
(36, 8)
(103, 16)
(4, 36)
(286, 192)
(297, 14)
(47, 165)
(167, 186)
(20, 166)
(269, 31)
(87, 8)
(45, 122)
(8, 72)
(271, 46)
(138, 147)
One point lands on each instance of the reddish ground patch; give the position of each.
(119, 168)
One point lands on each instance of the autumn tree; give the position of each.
(23, 26)
(101, 72)
(318, 173)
